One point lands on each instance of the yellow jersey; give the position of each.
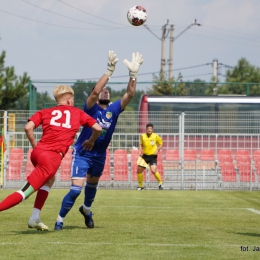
(149, 143)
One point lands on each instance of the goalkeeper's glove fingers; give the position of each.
(111, 63)
(134, 65)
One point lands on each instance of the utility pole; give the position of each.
(171, 52)
(215, 70)
(172, 39)
(215, 75)
(165, 33)
(164, 36)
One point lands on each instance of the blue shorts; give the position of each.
(86, 164)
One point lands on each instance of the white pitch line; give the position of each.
(254, 210)
(153, 207)
(126, 244)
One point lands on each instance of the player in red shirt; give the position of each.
(60, 124)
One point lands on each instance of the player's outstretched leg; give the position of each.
(34, 220)
(66, 205)
(11, 200)
(16, 197)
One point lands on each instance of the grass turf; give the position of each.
(143, 225)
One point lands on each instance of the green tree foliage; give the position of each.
(43, 100)
(212, 89)
(162, 86)
(82, 90)
(22, 103)
(133, 105)
(197, 88)
(243, 73)
(12, 87)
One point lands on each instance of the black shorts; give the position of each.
(150, 159)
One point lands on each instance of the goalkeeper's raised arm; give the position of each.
(133, 67)
(94, 95)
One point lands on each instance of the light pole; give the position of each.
(172, 39)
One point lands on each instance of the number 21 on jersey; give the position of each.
(57, 114)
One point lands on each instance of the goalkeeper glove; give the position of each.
(112, 60)
(134, 65)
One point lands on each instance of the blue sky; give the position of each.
(70, 40)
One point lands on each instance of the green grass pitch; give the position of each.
(129, 224)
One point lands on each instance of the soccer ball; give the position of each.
(137, 15)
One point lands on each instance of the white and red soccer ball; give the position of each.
(137, 15)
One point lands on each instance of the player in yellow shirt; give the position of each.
(150, 145)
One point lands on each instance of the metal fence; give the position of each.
(201, 151)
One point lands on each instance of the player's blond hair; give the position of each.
(62, 89)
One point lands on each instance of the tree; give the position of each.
(134, 103)
(162, 86)
(198, 88)
(244, 73)
(12, 87)
(81, 91)
(43, 100)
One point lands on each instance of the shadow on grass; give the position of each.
(78, 227)
(249, 234)
(32, 231)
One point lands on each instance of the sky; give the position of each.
(69, 40)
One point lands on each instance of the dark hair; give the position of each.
(149, 125)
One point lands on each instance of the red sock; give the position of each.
(41, 197)
(10, 201)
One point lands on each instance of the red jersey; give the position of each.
(60, 124)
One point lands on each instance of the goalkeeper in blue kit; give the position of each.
(90, 164)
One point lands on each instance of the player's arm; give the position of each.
(133, 68)
(93, 97)
(159, 144)
(96, 130)
(159, 147)
(29, 133)
(130, 92)
(140, 147)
